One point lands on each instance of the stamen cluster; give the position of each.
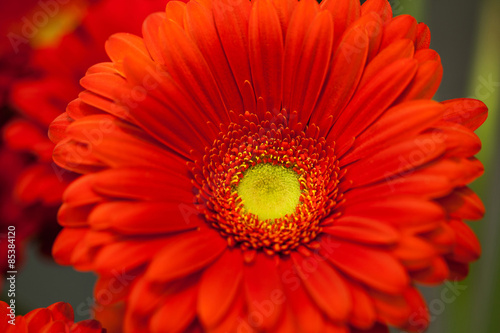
(276, 140)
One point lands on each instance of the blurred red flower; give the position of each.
(57, 318)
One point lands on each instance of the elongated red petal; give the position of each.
(190, 252)
(370, 266)
(266, 53)
(219, 287)
(325, 286)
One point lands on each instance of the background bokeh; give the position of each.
(467, 36)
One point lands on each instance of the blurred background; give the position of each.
(466, 34)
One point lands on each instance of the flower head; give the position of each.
(270, 166)
(58, 317)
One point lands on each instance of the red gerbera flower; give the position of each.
(58, 317)
(269, 166)
(28, 24)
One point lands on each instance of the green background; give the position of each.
(467, 36)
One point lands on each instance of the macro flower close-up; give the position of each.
(241, 166)
(270, 166)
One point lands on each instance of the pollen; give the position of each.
(269, 191)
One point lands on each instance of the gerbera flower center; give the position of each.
(269, 191)
(267, 185)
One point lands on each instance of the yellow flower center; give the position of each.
(269, 191)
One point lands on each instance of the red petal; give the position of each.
(151, 36)
(420, 183)
(201, 26)
(313, 65)
(57, 129)
(458, 270)
(419, 318)
(41, 183)
(307, 315)
(87, 326)
(266, 54)
(402, 49)
(344, 75)
(372, 99)
(363, 312)
(236, 319)
(468, 112)
(467, 248)
(65, 243)
(143, 218)
(459, 140)
(231, 19)
(143, 184)
(423, 39)
(220, 283)
(463, 203)
(38, 318)
(76, 157)
(391, 309)
(188, 68)
(362, 230)
(43, 100)
(62, 311)
(404, 213)
(112, 141)
(381, 7)
(263, 293)
(400, 27)
(344, 13)
(414, 252)
(373, 267)
(378, 328)
(184, 114)
(24, 135)
(180, 309)
(121, 45)
(53, 327)
(77, 109)
(400, 122)
(395, 161)
(435, 274)
(284, 9)
(190, 252)
(325, 286)
(300, 21)
(128, 254)
(336, 328)
(176, 11)
(426, 80)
